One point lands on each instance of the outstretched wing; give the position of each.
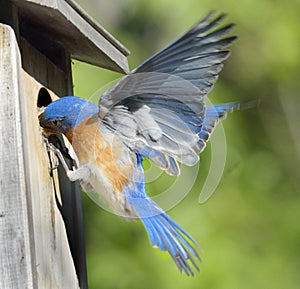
(158, 109)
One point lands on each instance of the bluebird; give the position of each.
(158, 112)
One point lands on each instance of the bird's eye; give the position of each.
(56, 122)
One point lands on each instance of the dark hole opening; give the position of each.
(44, 98)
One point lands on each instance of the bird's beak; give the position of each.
(43, 124)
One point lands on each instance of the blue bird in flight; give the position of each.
(158, 112)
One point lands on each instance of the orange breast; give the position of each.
(105, 151)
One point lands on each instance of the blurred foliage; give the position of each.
(250, 228)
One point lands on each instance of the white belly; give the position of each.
(100, 190)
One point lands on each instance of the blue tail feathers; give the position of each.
(216, 112)
(163, 232)
(166, 235)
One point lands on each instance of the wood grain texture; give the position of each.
(34, 249)
(43, 70)
(50, 76)
(71, 28)
(55, 267)
(16, 243)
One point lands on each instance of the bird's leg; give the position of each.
(80, 173)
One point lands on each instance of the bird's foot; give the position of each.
(80, 173)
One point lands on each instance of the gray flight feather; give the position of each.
(158, 109)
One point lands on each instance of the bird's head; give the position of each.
(64, 114)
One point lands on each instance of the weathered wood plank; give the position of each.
(85, 39)
(17, 258)
(98, 27)
(48, 75)
(55, 268)
(34, 249)
(43, 70)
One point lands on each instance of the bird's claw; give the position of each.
(58, 153)
(80, 173)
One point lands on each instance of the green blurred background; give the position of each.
(249, 229)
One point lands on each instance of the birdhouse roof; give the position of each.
(67, 24)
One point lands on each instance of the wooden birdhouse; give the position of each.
(41, 227)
